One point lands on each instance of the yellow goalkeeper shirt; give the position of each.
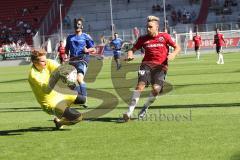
(49, 99)
(39, 80)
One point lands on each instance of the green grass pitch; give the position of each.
(197, 119)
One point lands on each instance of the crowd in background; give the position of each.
(15, 47)
(18, 28)
(183, 16)
(224, 8)
(178, 15)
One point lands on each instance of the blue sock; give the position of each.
(81, 89)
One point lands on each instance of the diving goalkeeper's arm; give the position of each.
(47, 88)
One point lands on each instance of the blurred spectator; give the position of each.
(188, 17)
(10, 29)
(136, 33)
(157, 7)
(19, 23)
(18, 45)
(25, 11)
(153, 7)
(6, 48)
(169, 7)
(227, 10)
(28, 31)
(67, 22)
(234, 2)
(193, 14)
(25, 47)
(174, 16)
(228, 3)
(36, 20)
(179, 13)
(12, 46)
(184, 11)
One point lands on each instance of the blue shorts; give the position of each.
(117, 54)
(80, 65)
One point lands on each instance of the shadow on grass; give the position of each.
(15, 109)
(15, 80)
(196, 106)
(210, 73)
(18, 132)
(204, 84)
(16, 92)
(104, 119)
(108, 119)
(188, 106)
(235, 156)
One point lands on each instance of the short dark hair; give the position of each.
(79, 19)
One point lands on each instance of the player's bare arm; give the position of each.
(172, 55)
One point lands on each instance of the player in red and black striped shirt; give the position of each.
(197, 42)
(219, 42)
(61, 53)
(154, 64)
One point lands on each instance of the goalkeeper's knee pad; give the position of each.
(71, 114)
(80, 99)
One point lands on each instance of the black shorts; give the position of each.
(150, 75)
(197, 48)
(218, 49)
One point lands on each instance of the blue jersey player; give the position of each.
(116, 45)
(78, 47)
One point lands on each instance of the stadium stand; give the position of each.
(19, 20)
(127, 15)
(222, 11)
(26, 19)
(97, 13)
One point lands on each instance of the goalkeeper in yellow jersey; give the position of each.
(43, 76)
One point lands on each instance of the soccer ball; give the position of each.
(72, 77)
(68, 74)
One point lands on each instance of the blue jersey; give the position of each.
(117, 44)
(76, 44)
